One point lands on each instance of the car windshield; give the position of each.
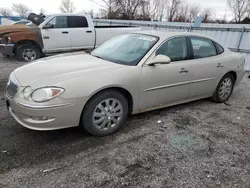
(127, 49)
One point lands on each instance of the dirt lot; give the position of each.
(6, 67)
(200, 144)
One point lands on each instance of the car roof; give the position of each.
(168, 34)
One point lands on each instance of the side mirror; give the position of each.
(48, 26)
(159, 59)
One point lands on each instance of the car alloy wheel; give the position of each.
(226, 88)
(107, 114)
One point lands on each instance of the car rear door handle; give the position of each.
(183, 70)
(65, 32)
(220, 65)
(88, 31)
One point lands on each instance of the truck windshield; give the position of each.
(127, 49)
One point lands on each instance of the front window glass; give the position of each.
(175, 49)
(127, 49)
(59, 22)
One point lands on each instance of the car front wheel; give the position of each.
(105, 113)
(224, 89)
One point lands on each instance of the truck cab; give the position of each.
(64, 32)
(57, 33)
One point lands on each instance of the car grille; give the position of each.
(11, 89)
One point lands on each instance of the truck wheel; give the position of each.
(27, 53)
(105, 113)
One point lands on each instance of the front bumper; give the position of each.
(59, 116)
(6, 49)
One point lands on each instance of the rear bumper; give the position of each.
(6, 49)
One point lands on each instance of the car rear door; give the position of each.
(164, 84)
(82, 32)
(55, 35)
(207, 67)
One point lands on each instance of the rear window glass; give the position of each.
(202, 47)
(77, 21)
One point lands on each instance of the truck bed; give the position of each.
(114, 26)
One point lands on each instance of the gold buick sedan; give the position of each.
(129, 74)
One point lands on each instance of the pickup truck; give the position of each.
(57, 33)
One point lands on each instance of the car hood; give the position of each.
(52, 67)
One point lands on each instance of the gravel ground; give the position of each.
(199, 144)
(7, 65)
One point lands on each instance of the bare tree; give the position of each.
(248, 9)
(109, 9)
(108, 5)
(90, 12)
(173, 9)
(21, 9)
(239, 8)
(158, 9)
(206, 15)
(194, 11)
(182, 14)
(144, 11)
(128, 8)
(67, 6)
(5, 12)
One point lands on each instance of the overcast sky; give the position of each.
(52, 6)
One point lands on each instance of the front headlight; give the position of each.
(26, 92)
(46, 94)
(9, 40)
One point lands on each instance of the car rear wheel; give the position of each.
(105, 113)
(224, 89)
(27, 52)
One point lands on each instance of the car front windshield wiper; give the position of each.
(112, 61)
(97, 56)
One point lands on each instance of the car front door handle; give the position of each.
(183, 70)
(220, 65)
(88, 31)
(65, 32)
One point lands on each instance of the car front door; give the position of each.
(55, 35)
(164, 84)
(206, 67)
(82, 34)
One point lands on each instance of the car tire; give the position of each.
(27, 53)
(105, 113)
(226, 86)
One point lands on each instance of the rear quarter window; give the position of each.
(219, 48)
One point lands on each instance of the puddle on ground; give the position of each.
(187, 142)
